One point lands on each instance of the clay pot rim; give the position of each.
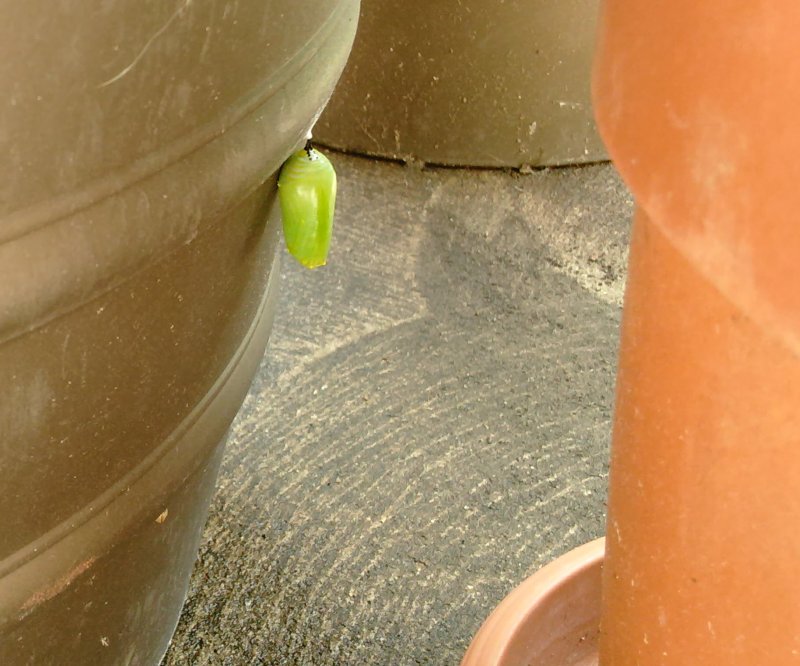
(490, 645)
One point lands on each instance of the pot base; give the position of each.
(552, 619)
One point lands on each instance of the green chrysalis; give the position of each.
(307, 192)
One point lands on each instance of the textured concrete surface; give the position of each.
(430, 424)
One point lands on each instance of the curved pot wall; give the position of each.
(137, 235)
(473, 83)
(698, 104)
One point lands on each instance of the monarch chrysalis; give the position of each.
(307, 192)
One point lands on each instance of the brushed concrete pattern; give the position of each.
(430, 424)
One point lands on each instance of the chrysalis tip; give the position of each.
(312, 264)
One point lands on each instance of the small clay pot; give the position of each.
(553, 618)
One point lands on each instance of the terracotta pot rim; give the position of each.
(490, 645)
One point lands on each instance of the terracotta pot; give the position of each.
(137, 234)
(697, 102)
(552, 619)
(476, 83)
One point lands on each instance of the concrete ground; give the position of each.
(430, 424)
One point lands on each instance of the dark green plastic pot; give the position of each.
(139, 144)
(469, 83)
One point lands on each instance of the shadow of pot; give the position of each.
(138, 231)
